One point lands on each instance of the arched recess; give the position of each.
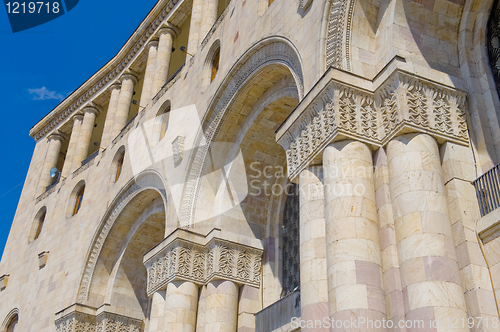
(484, 103)
(134, 223)
(11, 316)
(273, 68)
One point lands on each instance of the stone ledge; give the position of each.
(200, 259)
(3, 281)
(488, 227)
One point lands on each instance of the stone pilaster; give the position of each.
(89, 115)
(430, 275)
(181, 304)
(194, 28)
(73, 143)
(221, 312)
(110, 116)
(313, 271)
(209, 16)
(124, 103)
(202, 305)
(157, 311)
(249, 304)
(352, 239)
(166, 39)
(149, 75)
(54, 149)
(459, 172)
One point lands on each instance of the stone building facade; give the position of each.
(261, 165)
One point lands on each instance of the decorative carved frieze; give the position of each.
(338, 36)
(87, 319)
(403, 103)
(218, 259)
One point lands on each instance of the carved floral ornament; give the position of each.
(218, 259)
(102, 322)
(403, 103)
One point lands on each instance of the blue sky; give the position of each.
(42, 65)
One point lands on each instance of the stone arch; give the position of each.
(144, 188)
(36, 223)
(272, 53)
(13, 314)
(482, 96)
(72, 198)
(207, 66)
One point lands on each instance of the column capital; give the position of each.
(56, 136)
(170, 29)
(129, 76)
(115, 86)
(77, 116)
(91, 109)
(152, 42)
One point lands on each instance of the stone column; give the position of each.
(166, 40)
(180, 307)
(124, 103)
(194, 28)
(202, 306)
(221, 306)
(73, 143)
(313, 273)
(352, 239)
(110, 116)
(149, 75)
(391, 273)
(54, 149)
(157, 312)
(89, 115)
(249, 304)
(429, 271)
(209, 16)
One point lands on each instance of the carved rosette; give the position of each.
(219, 259)
(404, 103)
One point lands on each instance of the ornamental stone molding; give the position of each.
(79, 318)
(198, 259)
(304, 4)
(109, 73)
(338, 34)
(147, 180)
(403, 103)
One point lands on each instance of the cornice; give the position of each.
(109, 72)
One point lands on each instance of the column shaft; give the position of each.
(249, 304)
(313, 272)
(124, 102)
(157, 312)
(194, 28)
(149, 75)
(221, 306)
(82, 149)
(353, 250)
(166, 40)
(180, 307)
(110, 116)
(73, 143)
(428, 262)
(51, 158)
(209, 16)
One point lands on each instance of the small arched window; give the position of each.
(215, 65)
(11, 327)
(164, 122)
(41, 220)
(79, 199)
(119, 166)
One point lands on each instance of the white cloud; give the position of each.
(43, 94)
